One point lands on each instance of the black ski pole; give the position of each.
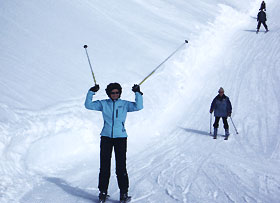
(233, 125)
(210, 123)
(85, 46)
(186, 41)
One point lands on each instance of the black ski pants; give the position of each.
(259, 25)
(216, 123)
(106, 146)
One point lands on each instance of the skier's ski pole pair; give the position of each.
(185, 42)
(113, 134)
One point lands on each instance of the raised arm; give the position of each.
(137, 105)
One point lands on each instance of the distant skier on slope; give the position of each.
(261, 20)
(114, 135)
(263, 7)
(222, 108)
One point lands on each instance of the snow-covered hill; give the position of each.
(49, 143)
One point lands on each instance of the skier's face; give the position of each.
(115, 94)
(221, 92)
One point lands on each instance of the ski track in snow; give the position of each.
(56, 128)
(182, 164)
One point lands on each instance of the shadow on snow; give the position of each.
(253, 30)
(75, 191)
(254, 17)
(199, 132)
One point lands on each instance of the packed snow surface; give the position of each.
(49, 143)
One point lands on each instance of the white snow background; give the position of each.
(49, 143)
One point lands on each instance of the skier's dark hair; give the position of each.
(112, 86)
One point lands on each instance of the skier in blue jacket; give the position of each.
(113, 135)
(222, 108)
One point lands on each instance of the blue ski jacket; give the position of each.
(221, 106)
(114, 113)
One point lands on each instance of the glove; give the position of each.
(95, 88)
(136, 88)
(211, 111)
(229, 114)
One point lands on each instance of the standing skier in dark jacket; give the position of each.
(261, 20)
(113, 135)
(263, 7)
(222, 108)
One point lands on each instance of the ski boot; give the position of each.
(226, 134)
(257, 31)
(124, 198)
(103, 197)
(215, 133)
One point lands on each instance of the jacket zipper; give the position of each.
(123, 127)
(113, 119)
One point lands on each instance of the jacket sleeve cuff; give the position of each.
(91, 92)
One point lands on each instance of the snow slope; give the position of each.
(50, 144)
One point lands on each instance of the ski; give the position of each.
(121, 201)
(225, 137)
(128, 199)
(257, 32)
(103, 200)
